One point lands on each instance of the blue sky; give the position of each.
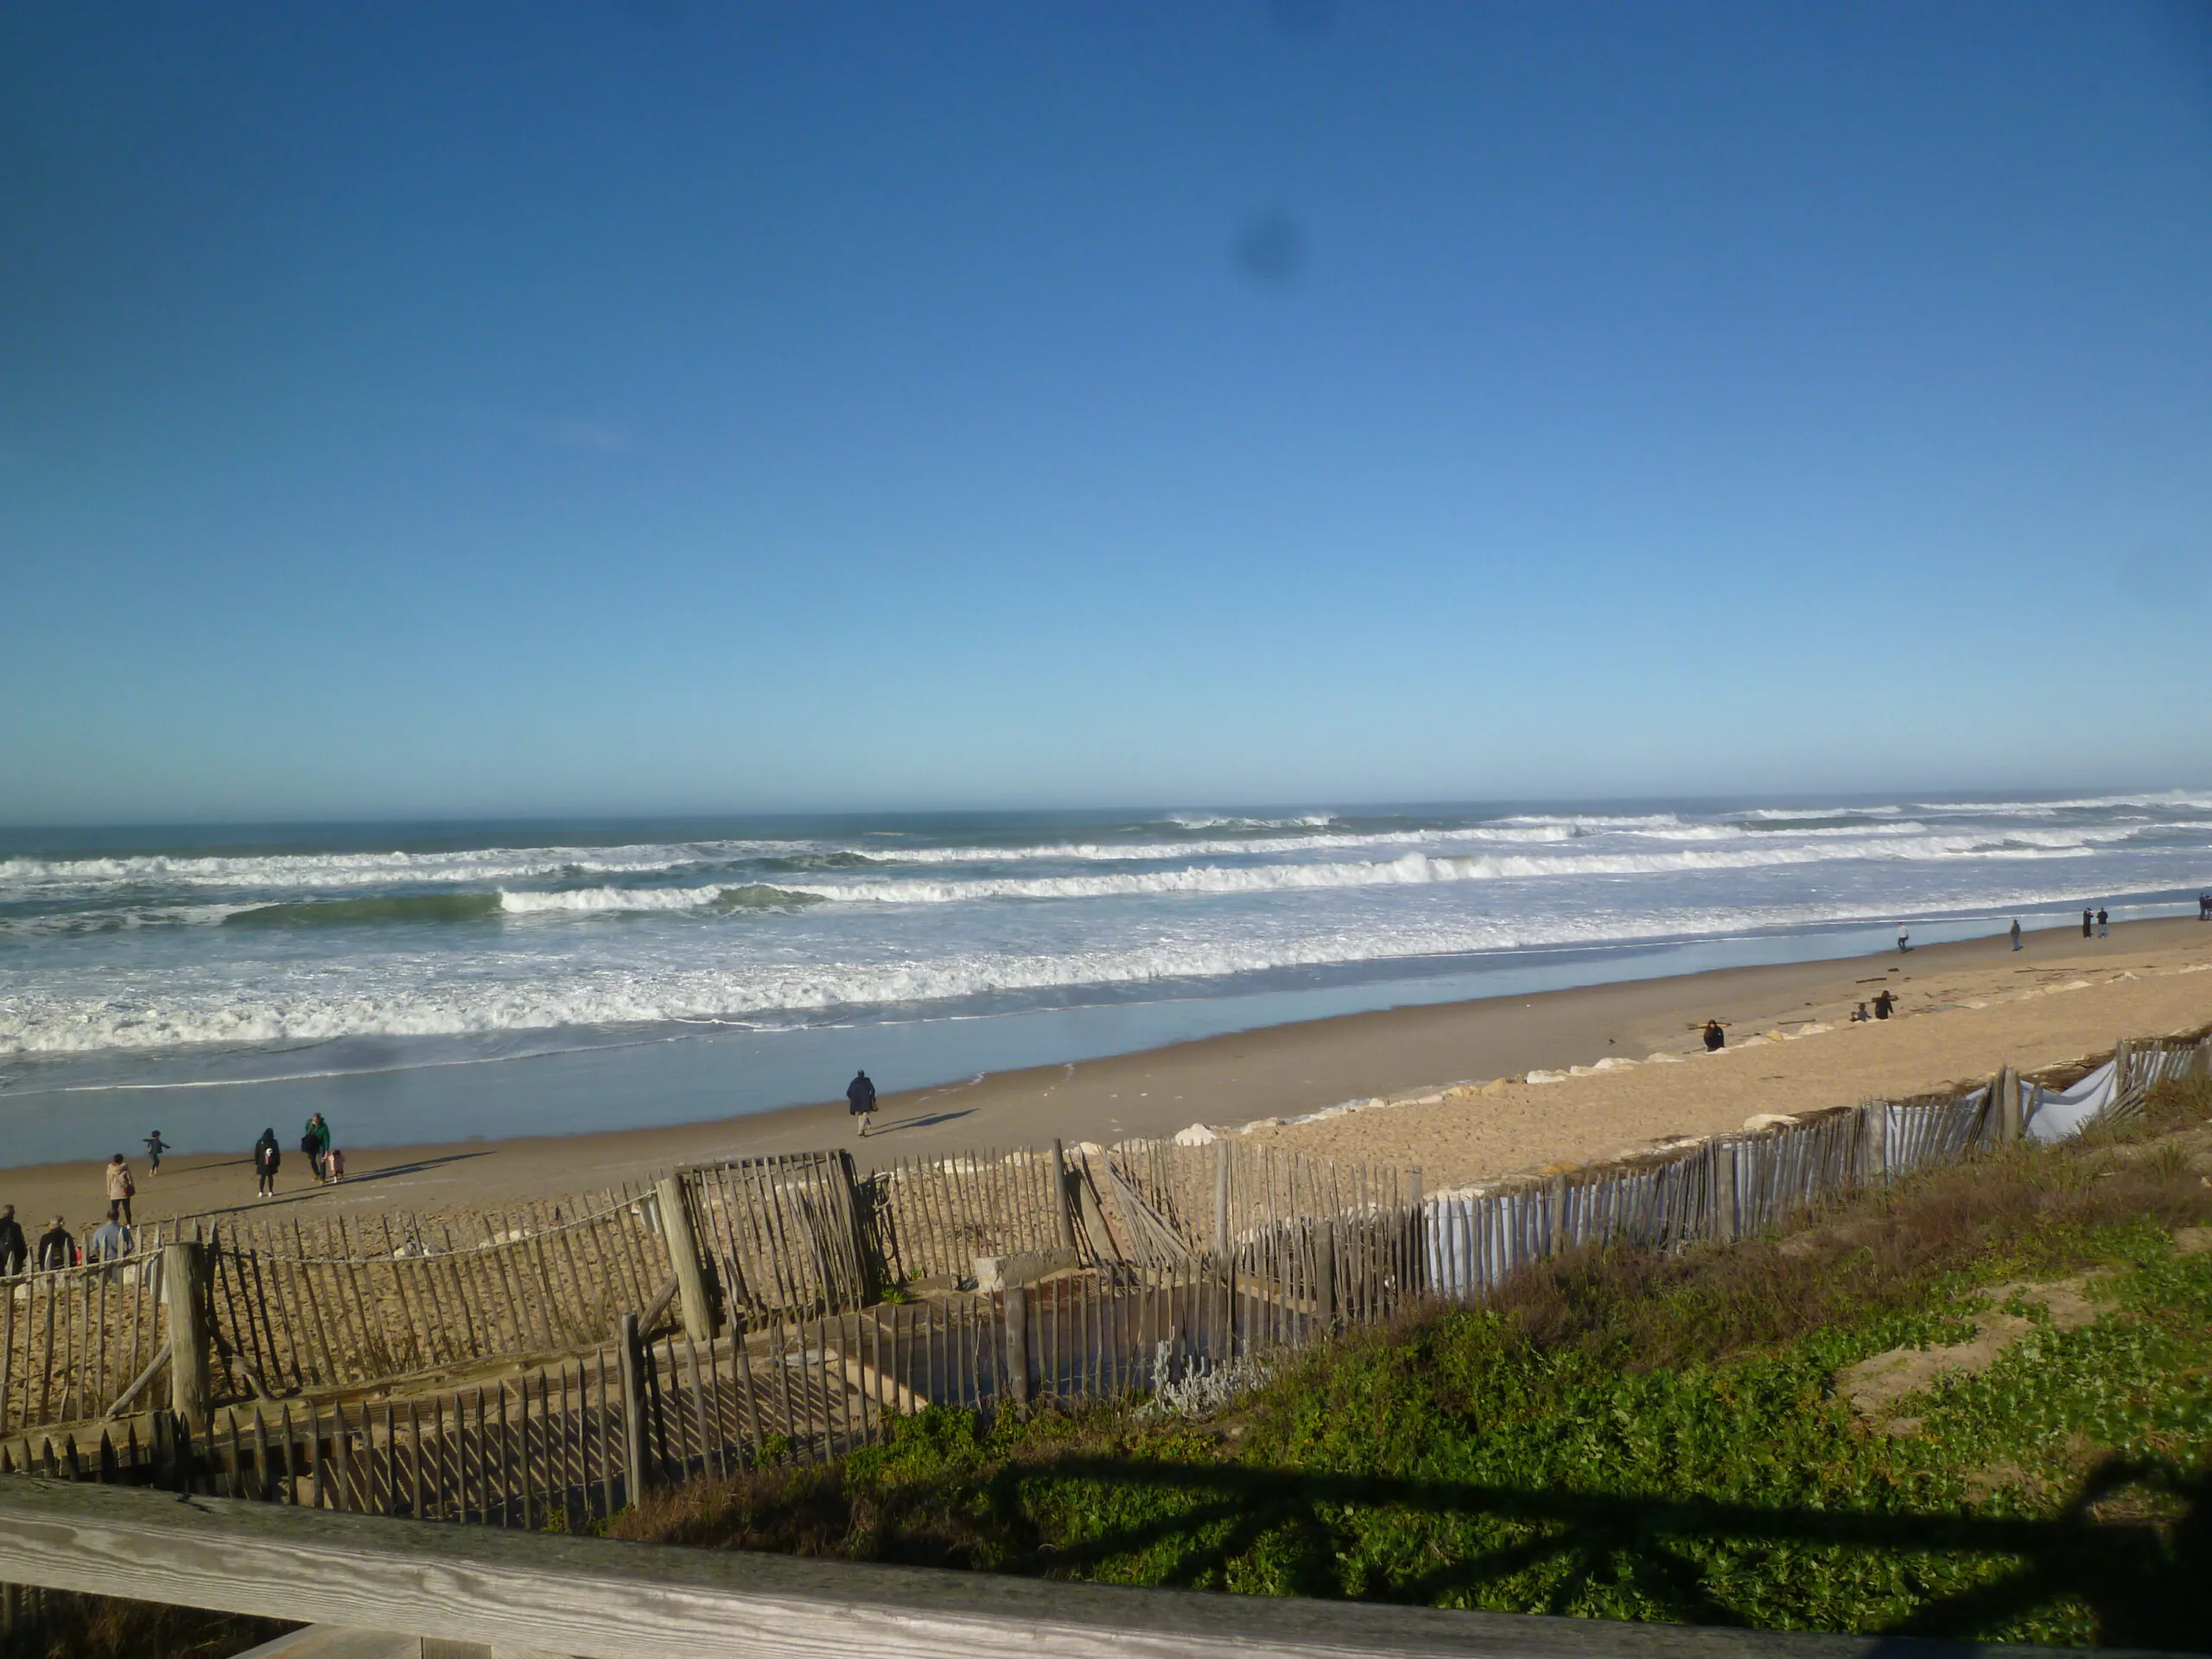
(668, 406)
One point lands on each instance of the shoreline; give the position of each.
(2131, 984)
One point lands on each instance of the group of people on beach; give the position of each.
(326, 1163)
(111, 1240)
(115, 1238)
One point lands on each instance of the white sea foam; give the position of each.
(309, 872)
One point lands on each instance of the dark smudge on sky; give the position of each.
(1270, 249)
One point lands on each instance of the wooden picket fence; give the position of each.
(393, 1304)
(562, 1443)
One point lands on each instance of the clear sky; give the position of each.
(669, 405)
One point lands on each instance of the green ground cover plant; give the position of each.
(1628, 1435)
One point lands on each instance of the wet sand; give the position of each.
(1965, 1009)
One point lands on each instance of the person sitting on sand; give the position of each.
(1884, 1003)
(860, 1099)
(1859, 1016)
(1714, 1037)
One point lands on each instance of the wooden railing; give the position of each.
(430, 1590)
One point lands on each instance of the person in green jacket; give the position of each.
(315, 1142)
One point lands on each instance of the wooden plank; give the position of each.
(602, 1599)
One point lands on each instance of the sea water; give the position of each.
(442, 980)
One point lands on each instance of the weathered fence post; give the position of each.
(1558, 1217)
(1874, 1132)
(691, 1286)
(1724, 1189)
(184, 1282)
(1063, 1213)
(1324, 1275)
(1221, 1195)
(1017, 1344)
(2009, 1123)
(633, 1407)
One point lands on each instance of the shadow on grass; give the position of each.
(2149, 1581)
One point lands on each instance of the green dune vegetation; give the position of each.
(1977, 1405)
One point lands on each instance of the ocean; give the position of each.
(443, 980)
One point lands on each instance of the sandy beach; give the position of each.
(1443, 1081)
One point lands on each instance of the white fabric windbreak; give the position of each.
(2054, 1116)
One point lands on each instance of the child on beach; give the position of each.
(154, 1148)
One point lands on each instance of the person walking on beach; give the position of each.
(1904, 939)
(110, 1242)
(121, 1189)
(1885, 1001)
(2104, 924)
(56, 1249)
(1714, 1037)
(2015, 932)
(267, 1157)
(860, 1099)
(314, 1140)
(2205, 907)
(14, 1248)
(2088, 916)
(154, 1148)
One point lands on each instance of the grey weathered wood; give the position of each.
(1063, 1216)
(184, 1281)
(1324, 1275)
(683, 1257)
(1017, 1344)
(1558, 1215)
(1724, 1189)
(336, 1642)
(124, 1401)
(633, 1407)
(1221, 1195)
(2009, 1124)
(658, 1306)
(602, 1599)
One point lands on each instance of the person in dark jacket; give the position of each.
(14, 1248)
(1714, 1037)
(314, 1140)
(2088, 918)
(2104, 922)
(1884, 1003)
(860, 1099)
(268, 1156)
(55, 1247)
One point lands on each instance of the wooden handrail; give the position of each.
(600, 1599)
